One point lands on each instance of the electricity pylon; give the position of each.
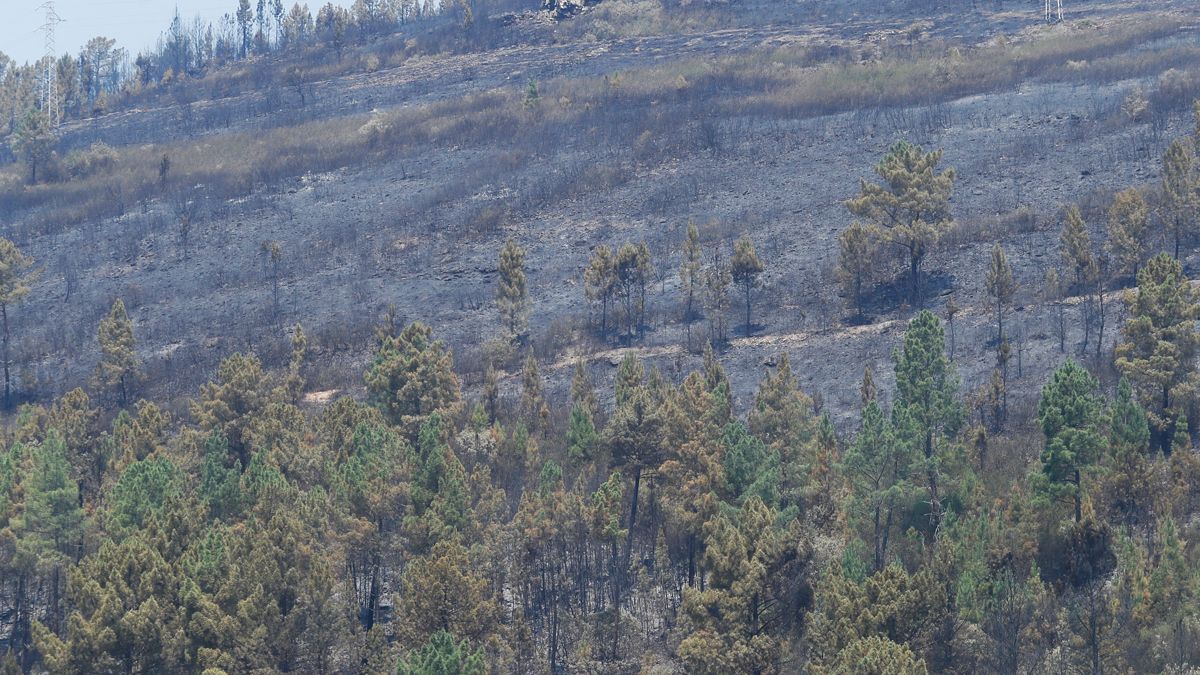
(50, 77)
(1053, 14)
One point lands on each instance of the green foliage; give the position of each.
(143, 490)
(751, 471)
(1126, 490)
(910, 209)
(1180, 186)
(119, 367)
(1070, 414)
(512, 294)
(891, 604)
(782, 417)
(744, 269)
(876, 655)
(631, 272)
(48, 521)
(927, 411)
(1076, 247)
(443, 656)
(33, 144)
(726, 624)
(1158, 354)
(532, 97)
(219, 485)
(229, 404)
(600, 282)
(412, 377)
(1000, 285)
(857, 250)
(582, 437)
(877, 469)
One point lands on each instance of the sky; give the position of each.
(134, 24)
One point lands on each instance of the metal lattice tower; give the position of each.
(50, 77)
(1054, 14)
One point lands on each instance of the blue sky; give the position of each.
(134, 24)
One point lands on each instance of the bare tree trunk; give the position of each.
(7, 385)
(747, 309)
(935, 502)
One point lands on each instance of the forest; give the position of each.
(631, 336)
(422, 530)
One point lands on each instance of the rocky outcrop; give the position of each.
(565, 9)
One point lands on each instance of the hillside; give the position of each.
(746, 128)
(352, 194)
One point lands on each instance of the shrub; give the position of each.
(83, 163)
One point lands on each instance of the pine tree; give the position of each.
(15, 279)
(1127, 483)
(750, 468)
(582, 437)
(583, 393)
(891, 604)
(491, 394)
(535, 412)
(293, 381)
(244, 18)
(230, 403)
(911, 207)
(876, 467)
(716, 297)
(600, 282)
(45, 534)
(512, 293)
(412, 377)
(1159, 352)
(373, 483)
(632, 271)
(119, 367)
(857, 247)
(927, 410)
(782, 417)
(1128, 224)
(728, 625)
(1069, 413)
(717, 384)
(74, 417)
(33, 143)
(693, 470)
(867, 391)
(443, 656)
(1076, 247)
(690, 279)
(1173, 593)
(635, 438)
(441, 510)
(744, 269)
(442, 592)
(1179, 189)
(1000, 286)
(877, 655)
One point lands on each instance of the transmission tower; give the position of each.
(50, 77)
(1055, 13)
